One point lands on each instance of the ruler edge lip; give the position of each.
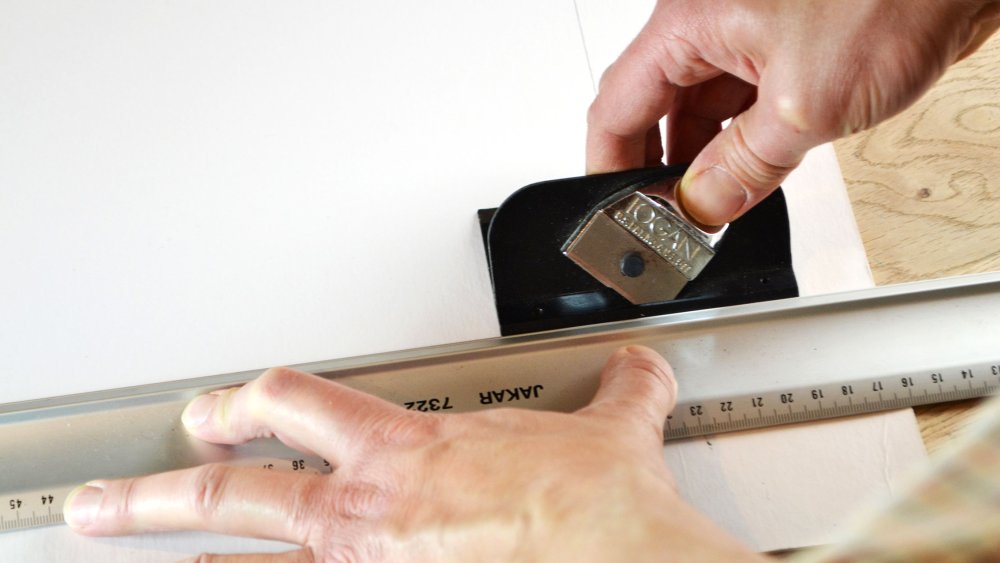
(181, 389)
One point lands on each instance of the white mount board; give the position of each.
(211, 187)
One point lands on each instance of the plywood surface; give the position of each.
(925, 187)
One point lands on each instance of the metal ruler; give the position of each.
(741, 367)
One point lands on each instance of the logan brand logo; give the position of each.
(660, 232)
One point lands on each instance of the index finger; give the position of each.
(635, 92)
(305, 412)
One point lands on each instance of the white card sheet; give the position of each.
(191, 188)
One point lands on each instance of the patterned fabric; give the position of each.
(951, 513)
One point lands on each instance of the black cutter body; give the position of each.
(536, 287)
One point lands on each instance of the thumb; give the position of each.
(637, 384)
(744, 163)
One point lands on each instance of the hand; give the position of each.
(495, 485)
(793, 74)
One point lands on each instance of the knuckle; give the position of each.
(797, 113)
(272, 386)
(679, 60)
(407, 429)
(126, 499)
(361, 501)
(276, 382)
(595, 113)
(757, 170)
(654, 368)
(606, 77)
(306, 511)
(209, 490)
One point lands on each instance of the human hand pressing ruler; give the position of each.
(741, 367)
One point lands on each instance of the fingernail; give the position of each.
(713, 197)
(82, 506)
(628, 354)
(634, 350)
(198, 410)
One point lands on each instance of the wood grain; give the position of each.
(925, 187)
